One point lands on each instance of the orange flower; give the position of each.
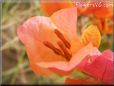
(52, 43)
(104, 25)
(101, 11)
(49, 7)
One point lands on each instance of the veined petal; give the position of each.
(91, 34)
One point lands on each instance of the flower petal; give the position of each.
(91, 34)
(40, 71)
(50, 7)
(34, 32)
(75, 60)
(67, 4)
(102, 67)
(66, 19)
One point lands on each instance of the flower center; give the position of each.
(64, 45)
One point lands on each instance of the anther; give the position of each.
(60, 36)
(51, 46)
(67, 54)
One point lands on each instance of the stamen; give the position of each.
(60, 35)
(67, 54)
(51, 46)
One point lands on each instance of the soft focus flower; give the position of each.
(105, 25)
(49, 7)
(101, 14)
(52, 43)
(102, 9)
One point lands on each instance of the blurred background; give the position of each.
(15, 65)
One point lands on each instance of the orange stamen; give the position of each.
(51, 46)
(60, 35)
(67, 54)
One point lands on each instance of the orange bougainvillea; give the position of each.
(52, 43)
